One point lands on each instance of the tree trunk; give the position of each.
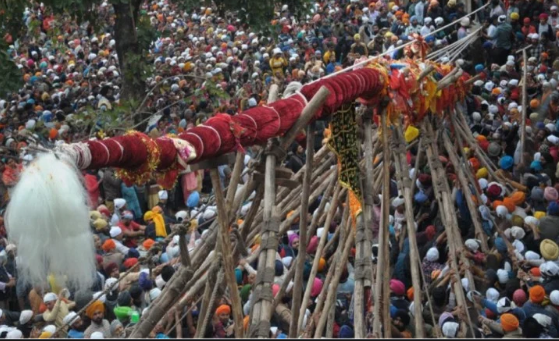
(133, 85)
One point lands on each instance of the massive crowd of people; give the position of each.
(72, 77)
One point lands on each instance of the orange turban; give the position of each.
(509, 322)
(481, 138)
(321, 264)
(53, 133)
(148, 243)
(518, 198)
(109, 245)
(497, 203)
(409, 294)
(223, 309)
(245, 322)
(534, 103)
(93, 308)
(509, 204)
(535, 271)
(537, 294)
(475, 164)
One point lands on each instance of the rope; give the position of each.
(397, 48)
(454, 45)
(211, 303)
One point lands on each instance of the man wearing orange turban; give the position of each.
(96, 312)
(509, 204)
(537, 295)
(518, 198)
(223, 325)
(510, 325)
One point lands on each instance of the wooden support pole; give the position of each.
(302, 255)
(467, 192)
(262, 294)
(446, 209)
(524, 109)
(402, 170)
(224, 245)
(326, 287)
(383, 237)
(332, 289)
(364, 233)
(316, 261)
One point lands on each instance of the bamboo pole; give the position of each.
(320, 214)
(336, 258)
(316, 261)
(210, 294)
(261, 308)
(524, 109)
(403, 171)
(446, 209)
(467, 192)
(224, 245)
(332, 289)
(383, 236)
(206, 308)
(364, 237)
(303, 221)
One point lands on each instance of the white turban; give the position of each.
(554, 297)
(119, 203)
(70, 318)
(154, 293)
(208, 214)
(492, 295)
(398, 201)
(432, 254)
(49, 297)
(181, 215)
(503, 276)
(25, 316)
(517, 232)
(504, 305)
(100, 297)
(531, 220)
(110, 284)
(531, 255)
(501, 211)
(14, 334)
(450, 329)
(287, 261)
(543, 320)
(51, 328)
(115, 231)
(472, 244)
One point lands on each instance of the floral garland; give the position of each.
(142, 174)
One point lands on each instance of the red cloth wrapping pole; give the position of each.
(224, 133)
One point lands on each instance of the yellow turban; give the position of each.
(99, 224)
(94, 215)
(357, 36)
(411, 133)
(539, 214)
(160, 230)
(482, 173)
(514, 16)
(148, 216)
